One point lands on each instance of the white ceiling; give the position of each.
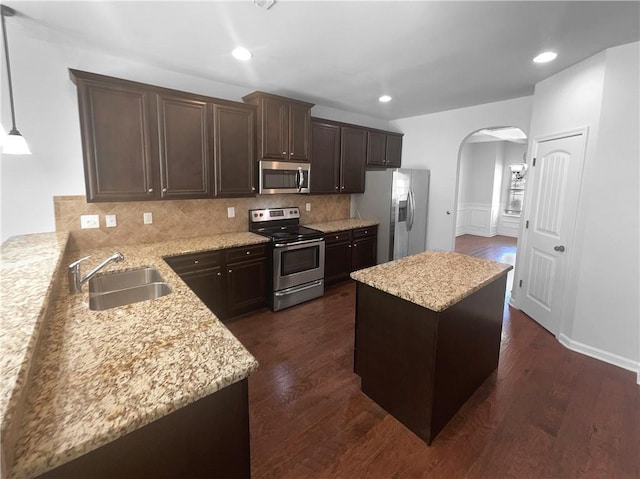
(429, 56)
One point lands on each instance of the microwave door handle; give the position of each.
(300, 177)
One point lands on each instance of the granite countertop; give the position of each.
(102, 374)
(434, 279)
(341, 225)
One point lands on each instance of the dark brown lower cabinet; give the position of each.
(364, 252)
(419, 365)
(230, 282)
(337, 257)
(209, 438)
(347, 251)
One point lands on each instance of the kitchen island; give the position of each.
(158, 384)
(427, 334)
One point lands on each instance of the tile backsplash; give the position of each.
(178, 219)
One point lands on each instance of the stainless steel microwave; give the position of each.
(284, 177)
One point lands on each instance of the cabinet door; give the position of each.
(353, 156)
(394, 151)
(299, 129)
(325, 157)
(274, 128)
(234, 155)
(365, 247)
(185, 161)
(115, 126)
(208, 284)
(376, 148)
(337, 262)
(246, 286)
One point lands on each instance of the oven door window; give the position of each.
(299, 260)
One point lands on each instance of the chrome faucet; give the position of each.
(75, 277)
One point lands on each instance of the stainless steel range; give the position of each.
(297, 256)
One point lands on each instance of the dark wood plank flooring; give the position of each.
(546, 412)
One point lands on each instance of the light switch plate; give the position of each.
(231, 212)
(307, 206)
(147, 218)
(89, 221)
(110, 221)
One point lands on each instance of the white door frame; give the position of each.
(566, 305)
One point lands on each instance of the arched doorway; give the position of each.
(492, 176)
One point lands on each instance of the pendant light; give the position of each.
(14, 143)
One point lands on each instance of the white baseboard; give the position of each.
(605, 356)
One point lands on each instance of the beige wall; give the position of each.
(179, 219)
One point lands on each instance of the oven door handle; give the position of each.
(297, 289)
(284, 245)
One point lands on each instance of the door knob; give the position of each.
(559, 248)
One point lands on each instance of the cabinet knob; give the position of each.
(253, 188)
(196, 262)
(284, 153)
(365, 231)
(164, 190)
(349, 246)
(230, 271)
(336, 187)
(150, 190)
(337, 236)
(342, 188)
(219, 273)
(248, 252)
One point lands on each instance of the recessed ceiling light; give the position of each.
(242, 54)
(384, 99)
(545, 57)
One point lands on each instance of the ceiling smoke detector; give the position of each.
(266, 4)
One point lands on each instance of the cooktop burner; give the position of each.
(281, 224)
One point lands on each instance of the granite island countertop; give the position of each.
(99, 375)
(341, 225)
(435, 280)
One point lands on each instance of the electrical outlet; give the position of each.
(147, 218)
(89, 221)
(110, 221)
(231, 212)
(307, 206)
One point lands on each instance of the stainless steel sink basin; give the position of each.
(110, 290)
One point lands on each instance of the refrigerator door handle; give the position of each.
(411, 205)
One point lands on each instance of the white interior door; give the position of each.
(552, 204)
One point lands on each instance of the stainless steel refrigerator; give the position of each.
(399, 200)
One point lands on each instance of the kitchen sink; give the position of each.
(110, 290)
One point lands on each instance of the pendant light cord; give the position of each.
(8, 11)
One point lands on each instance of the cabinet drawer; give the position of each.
(363, 232)
(337, 237)
(194, 261)
(246, 252)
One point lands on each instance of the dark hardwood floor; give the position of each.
(546, 412)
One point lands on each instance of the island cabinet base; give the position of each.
(206, 439)
(421, 366)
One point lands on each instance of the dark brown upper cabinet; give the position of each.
(394, 150)
(185, 166)
(353, 157)
(117, 128)
(142, 142)
(325, 157)
(384, 149)
(338, 157)
(234, 155)
(283, 127)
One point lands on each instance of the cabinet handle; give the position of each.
(150, 190)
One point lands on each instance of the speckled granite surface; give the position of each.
(435, 280)
(341, 225)
(101, 374)
(27, 269)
